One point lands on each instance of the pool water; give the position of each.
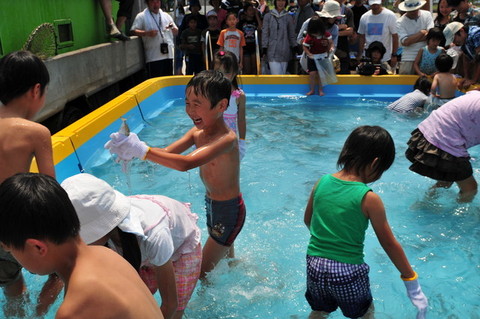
(292, 141)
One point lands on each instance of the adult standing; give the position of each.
(467, 13)
(413, 27)
(345, 30)
(468, 38)
(304, 12)
(157, 30)
(329, 14)
(278, 37)
(379, 24)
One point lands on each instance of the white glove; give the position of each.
(242, 148)
(127, 147)
(416, 295)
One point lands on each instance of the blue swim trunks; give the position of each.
(225, 219)
(332, 284)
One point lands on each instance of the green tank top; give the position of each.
(338, 225)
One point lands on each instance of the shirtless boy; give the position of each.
(216, 153)
(23, 81)
(99, 283)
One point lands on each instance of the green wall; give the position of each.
(18, 18)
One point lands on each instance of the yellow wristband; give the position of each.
(241, 139)
(146, 153)
(415, 277)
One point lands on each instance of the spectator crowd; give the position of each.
(368, 38)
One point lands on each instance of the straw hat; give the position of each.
(99, 207)
(331, 9)
(411, 5)
(450, 30)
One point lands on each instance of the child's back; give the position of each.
(103, 285)
(446, 85)
(23, 81)
(20, 140)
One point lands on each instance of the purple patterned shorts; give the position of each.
(332, 284)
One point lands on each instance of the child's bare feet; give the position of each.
(310, 93)
(321, 93)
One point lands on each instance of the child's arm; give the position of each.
(416, 63)
(307, 218)
(373, 207)
(43, 152)
(167, 288)
(433, 89)
(241, 119)
(170, 158)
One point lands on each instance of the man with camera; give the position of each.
(157, 30)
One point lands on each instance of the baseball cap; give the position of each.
(450, 30)
(211, 13)
(370, 2)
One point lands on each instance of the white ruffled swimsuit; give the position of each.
(231, 113)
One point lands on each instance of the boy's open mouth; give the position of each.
(197, 121)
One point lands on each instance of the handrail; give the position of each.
(207, 40)
(257, 53)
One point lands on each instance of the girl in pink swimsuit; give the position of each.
(234, 115)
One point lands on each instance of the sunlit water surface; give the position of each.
(292, 141)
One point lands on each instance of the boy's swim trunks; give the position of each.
(10, 269)
(225, 219)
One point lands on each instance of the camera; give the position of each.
(164, 48)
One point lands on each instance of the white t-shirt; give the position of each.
(406, 27)
(146, 21)
(165, 228)
(409, 102)
(379, 27)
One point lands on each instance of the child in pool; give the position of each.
(424, 64)
(39, 226)
(23, 85)
(217, 155)
(156, 234)
(444, 85)
(438, 148)
(337, 215)
(318, 45)
(234, 115)
(413, 101)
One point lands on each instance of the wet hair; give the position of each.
(229, 62)
(444, 62)
(423, 84)
(212, 85)
(35, 206)
(19, 72)
(362, 146)
(436, 34)
(316, 26)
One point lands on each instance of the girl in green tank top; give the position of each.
(337, 215)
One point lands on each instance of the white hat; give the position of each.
(331, 9)
(99, 207)
(450, 30)
(411, 5)
(371, 2)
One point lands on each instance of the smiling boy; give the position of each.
(216, 154)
